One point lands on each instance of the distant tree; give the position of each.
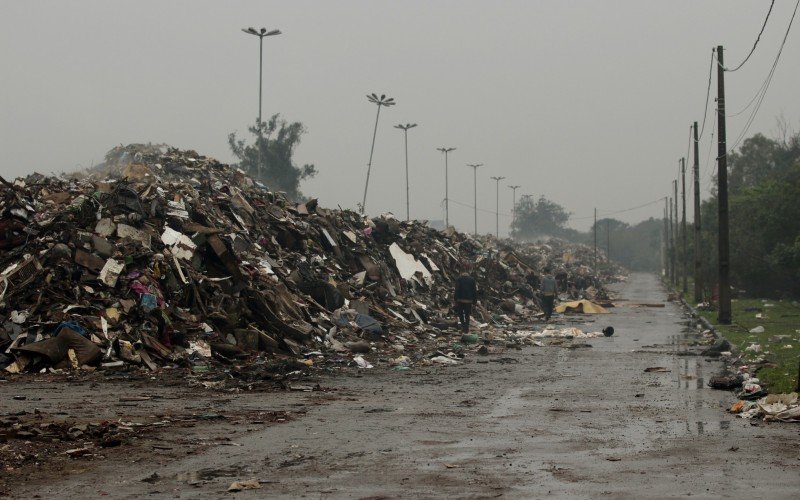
(764, 184)
(538, 218)
(269, 159)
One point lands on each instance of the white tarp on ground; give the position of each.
(408, 265)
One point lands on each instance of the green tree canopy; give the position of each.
(269, 158)
(538, 218)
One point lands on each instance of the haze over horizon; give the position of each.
(586, 103)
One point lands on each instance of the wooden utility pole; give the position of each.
(595, 241)
(671, 245)
(724, 316)
(698, 284)
(676, 231)
(685, 256)
(665, 242)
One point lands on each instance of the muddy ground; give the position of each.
(536, 422)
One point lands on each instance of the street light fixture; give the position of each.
(514, 202)
(405, 128)
(497, 206)
(475, 189)
(260, 34)
(381, 100)
(446, 197)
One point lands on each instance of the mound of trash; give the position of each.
(163, 257)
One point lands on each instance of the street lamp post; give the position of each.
(405, 128)
(475, 188)
(380, 101)
(260, 34)
(497, 206)
(446, 197)
(514, 202)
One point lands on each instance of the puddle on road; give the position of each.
(199, 476)
(689, 373)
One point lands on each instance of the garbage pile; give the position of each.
(771, 408)
(163, 257)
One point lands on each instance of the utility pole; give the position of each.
(595, 240)
(685, 256)
(497, 207)
(475, 191)
(665, 243)
(446, 151)
(724, 316)
(675, 232)
(514, 203)
(671, 245)
(405, 128)
(698, 285)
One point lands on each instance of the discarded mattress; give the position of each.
(581, 306)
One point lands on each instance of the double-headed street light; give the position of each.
(514, 202)
(497, 206)
(380, 101)
(260, 34)
(475, 188)
(446, 197)
(405, 128)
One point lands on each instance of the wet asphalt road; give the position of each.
(540, 422)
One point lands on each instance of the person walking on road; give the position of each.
(465, 296)
(549, 291)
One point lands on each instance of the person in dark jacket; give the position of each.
(549, 291)
(466, 295)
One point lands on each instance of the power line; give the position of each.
(689, 146)
(603, 213)
(467, 205)
(772, 4)
(657, 200)
(767, 82)
(710, 174)
(708, 92)
(606, 214)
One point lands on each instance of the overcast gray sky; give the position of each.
(586, 102)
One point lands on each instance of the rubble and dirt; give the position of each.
(162, 258)
(539, 421)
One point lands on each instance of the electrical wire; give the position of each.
(708, 92)
(657, 200)
(750, 103)
(772, 4)
(710, 174)
(467, 205)
(688, 147)
(599, 212)
(767, 82)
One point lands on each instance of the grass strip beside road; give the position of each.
(780, 342)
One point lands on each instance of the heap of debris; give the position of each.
(166, 257)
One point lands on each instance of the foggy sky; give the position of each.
(586, 102)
